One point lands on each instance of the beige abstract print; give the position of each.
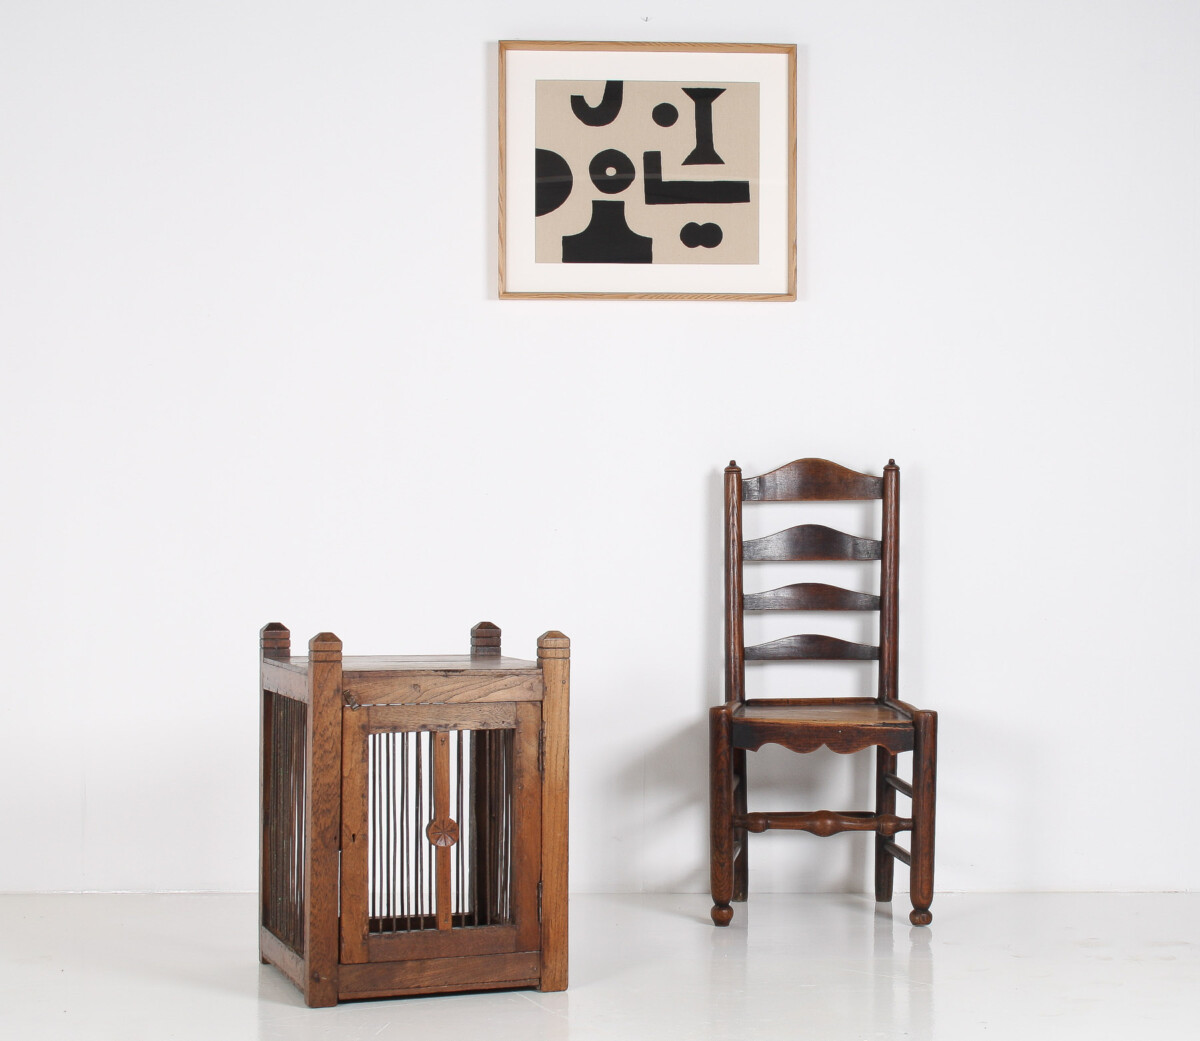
(647, 172)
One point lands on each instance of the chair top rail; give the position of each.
(811, 480)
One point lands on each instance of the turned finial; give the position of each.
(485, 640)
(325, 647)
(275, 640)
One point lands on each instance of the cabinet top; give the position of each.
(418, 663)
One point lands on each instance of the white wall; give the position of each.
(255, 370)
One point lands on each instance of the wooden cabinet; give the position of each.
(414, 818)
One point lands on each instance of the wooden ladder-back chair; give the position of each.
(847, 724)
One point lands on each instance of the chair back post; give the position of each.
(735, 660)
(889, 585)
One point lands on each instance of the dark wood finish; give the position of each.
(889, 584)
(844, 728)
(825, 822)
(812, 542)
(810, 596)
(887, 784)
(924, 794)
(811, 647)
(488, 738)
(844, 725)
(721, 809)
(735, 640)
(274, 642)
(901, 854)
(811, 480)
(741, 848)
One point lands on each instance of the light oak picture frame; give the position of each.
(662, 171)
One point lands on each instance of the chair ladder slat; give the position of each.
(812, 542)
(810, 596)
(812, 647)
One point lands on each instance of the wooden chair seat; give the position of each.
(803, 725)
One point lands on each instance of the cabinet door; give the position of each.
(441, 831)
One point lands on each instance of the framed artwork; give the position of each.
(647, 170)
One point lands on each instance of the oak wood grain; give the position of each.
(477, 715)
(486, 695)
(354, 918)
(432, 943)
(554, 656)
(322, 820)
(385, 979)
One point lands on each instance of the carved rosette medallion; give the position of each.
(442, 832)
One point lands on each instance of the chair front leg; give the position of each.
(720, 801)
(741, 859)
(885, 802)
(924, 797)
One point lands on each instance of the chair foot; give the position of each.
(921, 916)
(722, 914)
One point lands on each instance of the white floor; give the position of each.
(127, 968)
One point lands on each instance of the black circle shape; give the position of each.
(551, 181)
(665, 114)
(622, 173)
(707, 235)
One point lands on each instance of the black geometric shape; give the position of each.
(607, 239)
(606, 111)
(704, 154)
(622, 171)
(665, 114)
(707, 235)
(666, 193)
(552, 181)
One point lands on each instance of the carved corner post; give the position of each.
(485, 640)
(554, 659)
(274, 641)
(322, 809)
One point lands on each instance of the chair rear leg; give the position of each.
(885, 802)
(924, 796)
(720, 801)
(741, 859)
